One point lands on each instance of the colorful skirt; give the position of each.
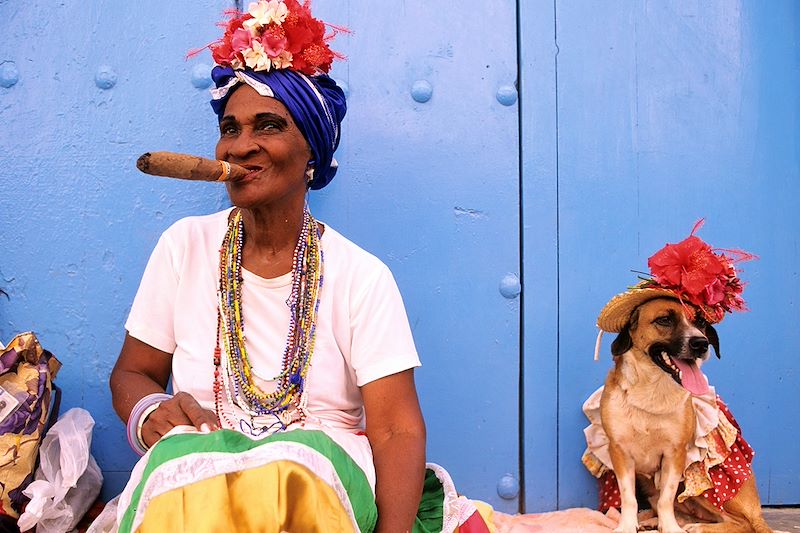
(299, 480)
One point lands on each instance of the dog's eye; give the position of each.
(700, 322)
(665, 321)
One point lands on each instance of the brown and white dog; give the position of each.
(646, 411)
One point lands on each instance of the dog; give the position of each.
(646, 411)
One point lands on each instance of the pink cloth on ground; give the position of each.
(578, 520)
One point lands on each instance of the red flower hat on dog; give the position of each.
(702, 278)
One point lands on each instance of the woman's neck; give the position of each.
(270, 237)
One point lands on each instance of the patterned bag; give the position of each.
(26, 374)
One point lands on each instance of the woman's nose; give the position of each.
(242, 146)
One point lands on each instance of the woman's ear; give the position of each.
(310, 171)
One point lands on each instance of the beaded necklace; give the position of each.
(233, 374)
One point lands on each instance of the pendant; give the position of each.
(286, 417)
(251, 428)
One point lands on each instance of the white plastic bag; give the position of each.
(68, 479)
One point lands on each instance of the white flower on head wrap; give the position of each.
(264, 13)
(282, 60)
(256, 57)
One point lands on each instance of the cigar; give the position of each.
(189, 167)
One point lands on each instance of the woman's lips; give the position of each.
(252, 172)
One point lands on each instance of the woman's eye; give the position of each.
(228, 129)
(663, 321)
(268, 126)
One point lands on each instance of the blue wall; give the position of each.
(78, 220)
(633, 120)
(638, 119)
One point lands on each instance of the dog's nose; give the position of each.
(698, 344)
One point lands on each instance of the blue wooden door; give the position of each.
(85, 88)
(638, 119)
(428, 182)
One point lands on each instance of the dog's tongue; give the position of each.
(692, 377)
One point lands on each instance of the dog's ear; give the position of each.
(623, 342)
(713, 339)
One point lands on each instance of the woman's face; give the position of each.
(258, 133)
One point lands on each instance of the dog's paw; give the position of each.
(672, 530)
(627, 528)
(667, 524)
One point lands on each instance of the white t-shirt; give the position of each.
(362, 329)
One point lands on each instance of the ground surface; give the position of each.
(786, 518)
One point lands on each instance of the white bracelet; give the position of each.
(146, 413)
(143, 408)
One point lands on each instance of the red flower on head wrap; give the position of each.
(274, 40)
(222, 51)
(275, 34)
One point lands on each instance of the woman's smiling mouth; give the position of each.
(253, 170)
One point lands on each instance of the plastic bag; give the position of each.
(26, 386)
(68, 479)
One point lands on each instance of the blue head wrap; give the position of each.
(316, 104)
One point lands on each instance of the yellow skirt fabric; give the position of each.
(280, 496)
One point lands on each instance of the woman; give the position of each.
(327, 431)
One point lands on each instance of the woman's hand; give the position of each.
(181, 410)
(141, 370)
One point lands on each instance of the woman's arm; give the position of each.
(142, 370)
(396, 433)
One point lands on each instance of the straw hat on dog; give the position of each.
(618, 310)
(702, 278)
